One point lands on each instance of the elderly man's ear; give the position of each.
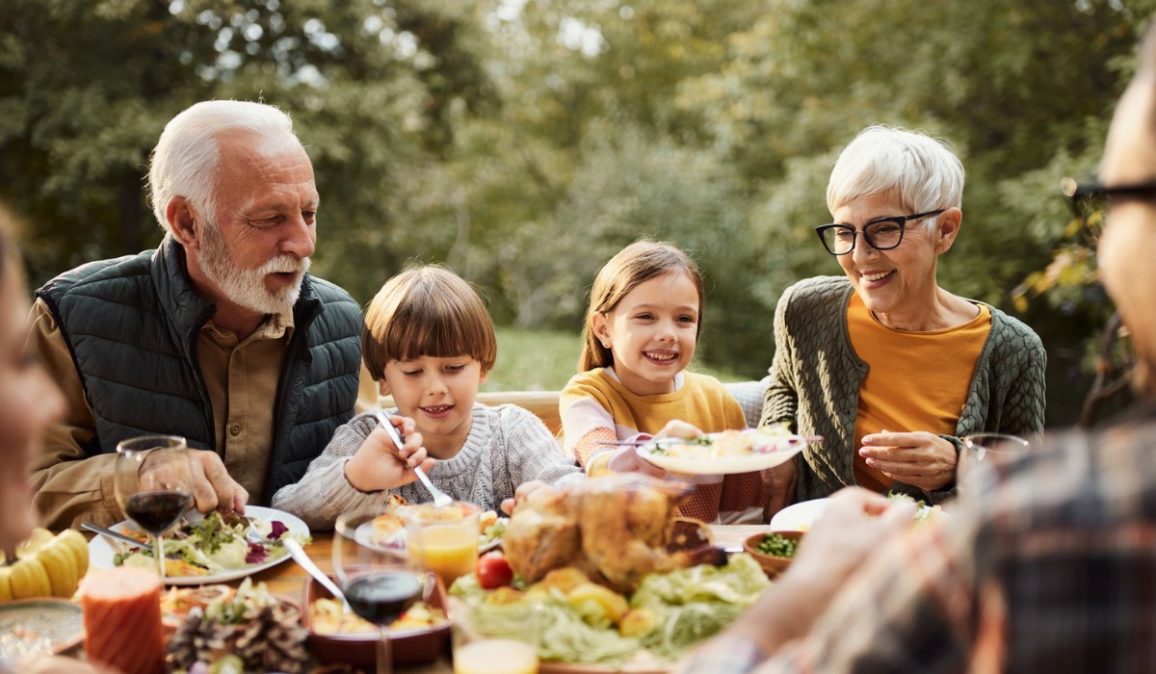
(948, 225)
(183, 222)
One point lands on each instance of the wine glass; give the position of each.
(376, 575)
(981, 448)
(154, 485)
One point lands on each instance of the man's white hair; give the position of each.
(184, 162)
(923, 172)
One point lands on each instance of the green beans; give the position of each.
(777, 545)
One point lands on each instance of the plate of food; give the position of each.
(337, 636)
(214, 550)
(803, 515)
(725, 452)
(388, 529)
(33, 627)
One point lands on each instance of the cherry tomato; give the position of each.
(494, 571)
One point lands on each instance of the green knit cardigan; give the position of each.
(816, 375)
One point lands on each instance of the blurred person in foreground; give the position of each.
(29, 402)
(1049, 568)
(883, 363)
(219, 335)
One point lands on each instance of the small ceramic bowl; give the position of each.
(410, 646)
(771, 564)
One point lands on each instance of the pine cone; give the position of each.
(273, 641)
(182, 646)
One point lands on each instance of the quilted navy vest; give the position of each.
(131, 324)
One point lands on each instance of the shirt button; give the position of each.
(235, 429)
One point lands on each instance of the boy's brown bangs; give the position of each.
(442, 329)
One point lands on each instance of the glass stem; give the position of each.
(384, 656)
(159, 551)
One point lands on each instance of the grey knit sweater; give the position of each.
(816, 375)
(506, 446)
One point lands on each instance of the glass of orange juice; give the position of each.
(443, 541)
(505, 643)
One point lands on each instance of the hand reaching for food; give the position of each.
(213, 488)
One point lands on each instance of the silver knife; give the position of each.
(115, 535)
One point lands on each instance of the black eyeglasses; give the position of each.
(880, 234)
(1090, 201)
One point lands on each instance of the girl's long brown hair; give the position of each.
(633, 265)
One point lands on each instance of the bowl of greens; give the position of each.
(773, 550)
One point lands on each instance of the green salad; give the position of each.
(584, 623)
(215, 544)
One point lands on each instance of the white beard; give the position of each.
(246, 287)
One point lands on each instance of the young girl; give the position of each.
(642, 325)
(429, 341)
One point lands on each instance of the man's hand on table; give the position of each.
(213, 489)
(853, 525)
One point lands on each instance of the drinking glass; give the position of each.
(443, 541)
(506, 643)
(154, 485)
(376, 576)
(988, 447)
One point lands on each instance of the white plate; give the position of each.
(365, 535)
(101, 552)
(38, 627)
(799, 516)
(721, 466)
(803, 515)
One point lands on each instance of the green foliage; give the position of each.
(522, 143)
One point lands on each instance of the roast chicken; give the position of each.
(616, 529)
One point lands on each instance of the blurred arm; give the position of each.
(71, 486)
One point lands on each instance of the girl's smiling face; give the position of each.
(652, 332)
(439, 394)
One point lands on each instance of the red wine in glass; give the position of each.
(153, 479)
(378, 580)
(156, 511)
(382, 596)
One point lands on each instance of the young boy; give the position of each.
(429, 342)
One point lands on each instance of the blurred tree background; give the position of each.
(523, 142)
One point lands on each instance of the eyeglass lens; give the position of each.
(881, 234)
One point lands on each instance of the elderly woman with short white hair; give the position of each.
(883, 363)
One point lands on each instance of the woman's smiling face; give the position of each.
(652, 332)
(900, 280)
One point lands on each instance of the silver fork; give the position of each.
(441, 499)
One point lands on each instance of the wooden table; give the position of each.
(288, 579)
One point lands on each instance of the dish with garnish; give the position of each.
(725, 452)
(33, 627)
(388, 529)
(418, 636)
(213, 550)
(773, 550)
(803, 515)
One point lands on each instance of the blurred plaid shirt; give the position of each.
(1050, 567)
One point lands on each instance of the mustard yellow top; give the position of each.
(916, 381)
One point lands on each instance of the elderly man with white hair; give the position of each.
(219, 335)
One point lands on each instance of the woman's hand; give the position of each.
(378, 464)
(922, 459)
